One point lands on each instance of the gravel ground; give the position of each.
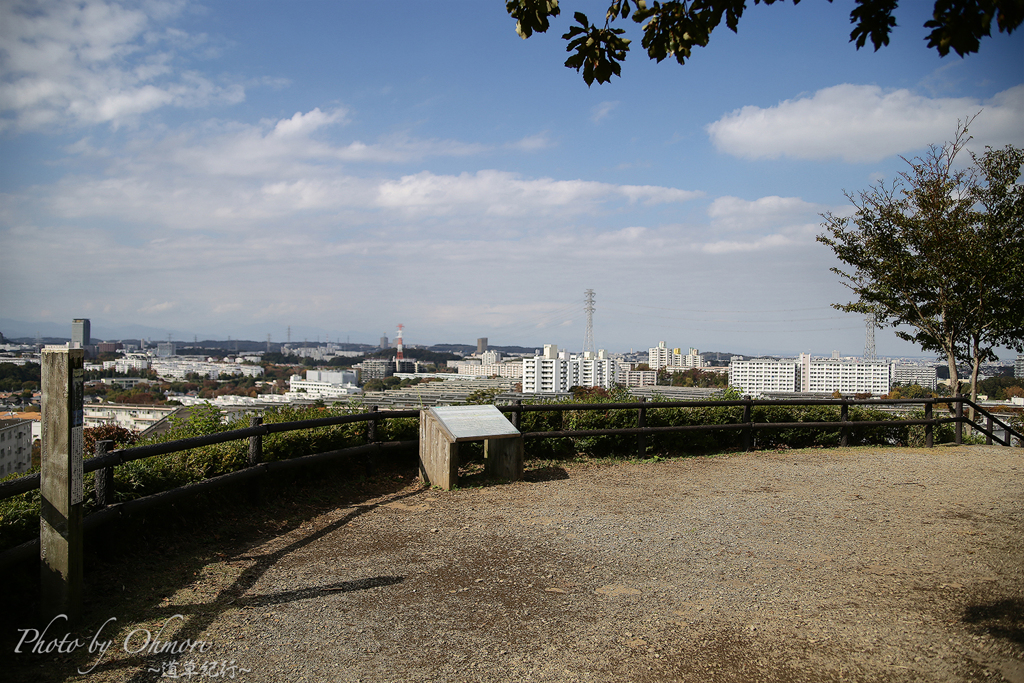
(860, 564)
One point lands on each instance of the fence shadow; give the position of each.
(170, 548)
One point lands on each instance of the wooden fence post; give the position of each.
(255, 458)
(255, 442)
(641, 421)
(988, 424)
(61, 483)
(844, 431)
(371, 426)
(517, 413)
(748, 433)
(959, 421)
(929, 430)
(104, 477)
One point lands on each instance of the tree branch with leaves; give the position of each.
(675, 27)
(939, 252)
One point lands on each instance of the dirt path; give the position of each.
(858, 564)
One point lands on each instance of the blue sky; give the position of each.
(226, 169)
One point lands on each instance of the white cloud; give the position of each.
(735, 214)
(304, 124)
(864, 123)
(602, 110)
(503, 193)
(68, 62)
(533, 143)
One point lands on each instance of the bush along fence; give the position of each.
(203, 453)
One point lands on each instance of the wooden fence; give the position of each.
(105, 460)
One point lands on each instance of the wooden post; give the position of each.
(104, 477)
(844, 431)
(255, 487)
(641, 421)
(61, 483)
(255, 442)
(959, 421)
(929, 431)
(748, 433)
(517, 414)
(988, 437)
(371, 426)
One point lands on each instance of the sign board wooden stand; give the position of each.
(443, 429)
(60, 482)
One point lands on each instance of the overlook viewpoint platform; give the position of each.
(863, 564)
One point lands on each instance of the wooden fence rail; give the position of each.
(105, 459)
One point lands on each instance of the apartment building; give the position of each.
(923, 375)
(15, 446)
(674, 360)
(845, 376)
(552, 372)
(760, 375)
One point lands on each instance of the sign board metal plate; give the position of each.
(468, 423)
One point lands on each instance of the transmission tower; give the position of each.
(869, 336)
(588, 306)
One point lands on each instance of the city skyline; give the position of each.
(208, 171)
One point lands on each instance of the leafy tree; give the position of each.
(940, 250)
(675, 27)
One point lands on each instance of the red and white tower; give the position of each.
(399, 342)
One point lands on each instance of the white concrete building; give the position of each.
(761, 375)
(553, 372)
(674, 360)
(659, 356)
(923, 375)
(181, 367)
(131, 362)
(138, 418)
(513, 370)
(322, 384)
(591, 370)
(544, 374)
(845, 376)
(15, 446)
(637, 378)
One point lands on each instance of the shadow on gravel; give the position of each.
(203, 615)
(551, 473)
(318, 591)
(155, 555)
(1001, 618)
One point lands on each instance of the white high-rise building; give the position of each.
(923, 375)
(845, 376)
(553, 372)
(674, 359)
(659, 356)
(592, 370)
(761, 375)
(544, 374)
